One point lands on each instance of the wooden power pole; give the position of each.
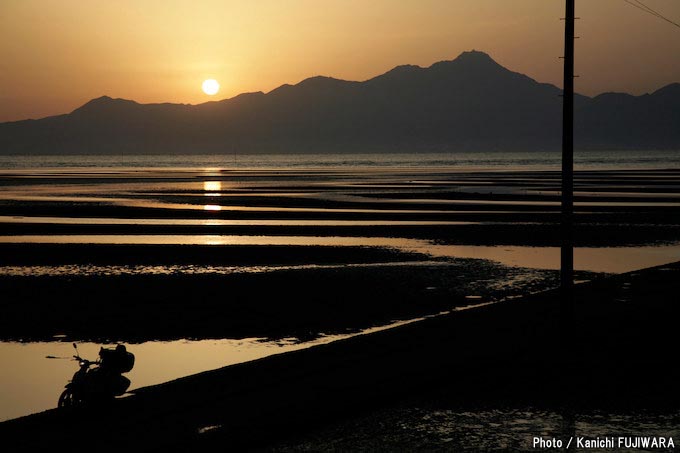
(567, 249)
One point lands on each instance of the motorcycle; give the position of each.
(92, 384)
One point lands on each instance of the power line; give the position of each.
(642, 7)
(648, 8)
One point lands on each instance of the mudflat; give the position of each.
(612, 352)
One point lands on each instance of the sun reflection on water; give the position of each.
(212, 186)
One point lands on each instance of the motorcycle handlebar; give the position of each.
(85, 361)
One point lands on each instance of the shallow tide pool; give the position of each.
(30, 382)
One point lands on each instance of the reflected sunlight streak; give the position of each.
(212, 186)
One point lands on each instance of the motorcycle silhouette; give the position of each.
(98, 381)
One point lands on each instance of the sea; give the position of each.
(535, 160)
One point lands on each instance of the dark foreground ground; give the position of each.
(616, 354)
(245, 291)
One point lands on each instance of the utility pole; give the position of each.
(566, 345)
(567, 249)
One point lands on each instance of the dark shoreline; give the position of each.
(616, 357)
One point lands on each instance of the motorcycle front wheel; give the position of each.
(66, 399)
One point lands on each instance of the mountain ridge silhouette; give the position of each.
(471, 103)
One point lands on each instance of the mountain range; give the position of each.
(470, 103)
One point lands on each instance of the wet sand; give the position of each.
(238, 291)
(380, 233)
(616, 354)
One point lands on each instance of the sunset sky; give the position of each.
(56, 55)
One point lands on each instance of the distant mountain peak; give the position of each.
(103, 103)
(322, 82)
(473, 62)
(317, 79)
(473, 58)
(671, 89)
(404, 69)
(315, 84)
(475, 55)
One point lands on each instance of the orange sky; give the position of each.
(55, 55)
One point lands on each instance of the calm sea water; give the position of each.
(481, 160)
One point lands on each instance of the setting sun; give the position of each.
(211, 86)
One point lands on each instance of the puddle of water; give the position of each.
(612, 260)
(213, 239)
(221, 222)
(31, 383)
(593, 259)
